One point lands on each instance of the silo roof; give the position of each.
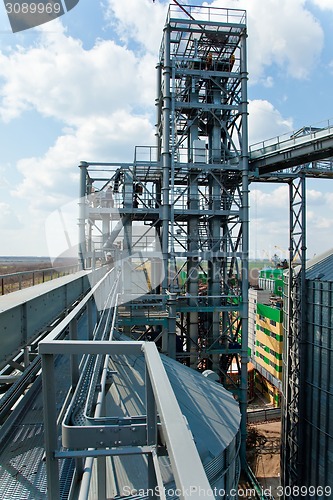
(211, 411)
(321, 267)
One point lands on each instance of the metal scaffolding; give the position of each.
(191, 188)
(202, 144)
(188, 198)
(294, 366)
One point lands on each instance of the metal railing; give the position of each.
(12, 282)
(303, 134)
(202, 13)
(163, 425)
(146, 154)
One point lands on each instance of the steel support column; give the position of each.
(82, 214)
(245, 248)
(166, 156)
(293, 345)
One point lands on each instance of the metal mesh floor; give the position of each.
(22, 469)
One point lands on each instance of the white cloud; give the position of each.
(273, 199)
(323, 4)
(268, 82)
(139, 21)
(50, 179)
(68, 82)
(315, 197)
(269, 216)
(266, 122)
(329, 198)
(9, 220)
(99, 95)
(269, 219)
(282, 33)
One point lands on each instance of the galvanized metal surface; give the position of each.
(292, 150)
(214, 422)
(211, 412)
(26, 313)
(314, 422)
(22, 464)
(317, 418)
(22, 453)
(320, 268)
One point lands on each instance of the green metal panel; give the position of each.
(270, 312)
(275, 275)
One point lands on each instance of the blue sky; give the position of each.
(83, 87)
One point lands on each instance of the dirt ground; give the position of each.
(264, 453)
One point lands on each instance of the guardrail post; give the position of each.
(101, 469)
(89, 319)
(50, 426)
(74, 357)
(179, 439)
(151, 432)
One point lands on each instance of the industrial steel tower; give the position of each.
(192, 189)
(203, 149)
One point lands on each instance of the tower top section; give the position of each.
(206, 13)
(201, 30)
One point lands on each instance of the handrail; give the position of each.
(161, 403)
(201, 13)
(296, 136)
(35, 277)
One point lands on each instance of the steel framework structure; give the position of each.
(192, 189)
(202, 143)
(293, 399)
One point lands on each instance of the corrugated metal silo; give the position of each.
(309, 450)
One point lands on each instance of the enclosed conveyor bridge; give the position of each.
(305, 146)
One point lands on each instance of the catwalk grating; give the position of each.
(22, 465)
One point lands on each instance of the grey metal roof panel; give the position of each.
(320, 267)
(211, 411)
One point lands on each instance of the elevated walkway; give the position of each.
(307, 145)
(25, 314)
(115, 418)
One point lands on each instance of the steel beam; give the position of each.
(179, 440)
(293, 399)
(292, 152)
